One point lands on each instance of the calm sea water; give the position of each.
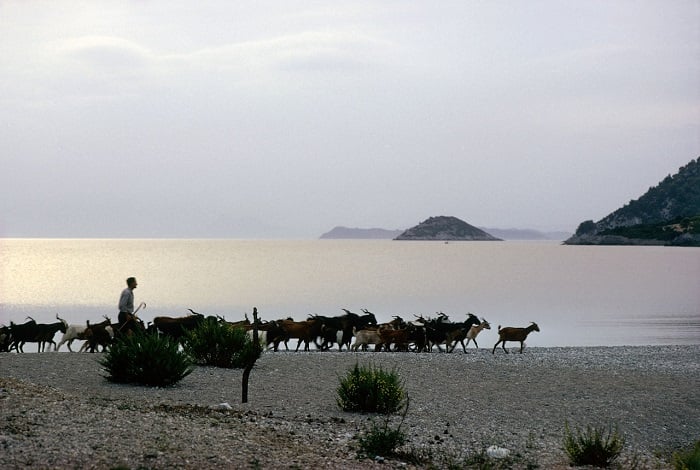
(579, 296)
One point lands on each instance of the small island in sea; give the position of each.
(446, 228)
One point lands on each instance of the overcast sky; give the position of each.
(284, 118)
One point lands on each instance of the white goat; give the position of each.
(72, 333)
(366, 337)
(474, 332)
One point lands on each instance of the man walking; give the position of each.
(126, 301)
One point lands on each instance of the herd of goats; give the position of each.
(420, 335)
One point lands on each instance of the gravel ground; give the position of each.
(57, 410)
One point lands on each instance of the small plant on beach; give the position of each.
(688, 460)
(595, 446)
(370, 389)
(146, 359)
(382, 440)
(215, 343)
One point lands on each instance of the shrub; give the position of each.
(370, 389)
(688, 460)
(146, 359)
(215, 343)
(594, 446)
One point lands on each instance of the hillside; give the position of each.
(667, 214)
(445, 228)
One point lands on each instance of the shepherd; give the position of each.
(126, 303)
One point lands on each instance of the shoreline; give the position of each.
(460, 403)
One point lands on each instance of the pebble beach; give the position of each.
(58, 411)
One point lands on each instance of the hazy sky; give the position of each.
(285, 118)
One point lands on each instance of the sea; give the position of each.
(578, 295)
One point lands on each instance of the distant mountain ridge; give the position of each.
(348, 233)
(525, 234)
(446, 228)
(667, 214)
(341, 232)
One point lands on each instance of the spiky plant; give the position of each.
(146, 359)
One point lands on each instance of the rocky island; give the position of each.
(446, 228)
(667, 214)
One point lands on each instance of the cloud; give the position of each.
(309, 51)
(105, 53)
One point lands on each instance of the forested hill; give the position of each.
(667, 214)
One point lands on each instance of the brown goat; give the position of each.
(514, 334)
(304, 331)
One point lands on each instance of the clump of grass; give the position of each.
(370, 389)
(687, 460)
(216, 344)
(382, 440)
(146, 359)
(597, 446)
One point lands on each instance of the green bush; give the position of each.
(689, 460)
(370, 389)
(215, 343)
(595, 446)
(146, 359)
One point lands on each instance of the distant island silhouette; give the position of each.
(361, 233)
(355, 233)
(446, 228)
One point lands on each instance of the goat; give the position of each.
(459, 332)
(403, 338)
(397, 323)
(514, 334)
(305, 331)
(99, 334)
(469, 333)
(47, 331)
(344, 324)
(268, 333)
(33, 332)
(245, 323)
(72, 333)
(176, 327)
(5, 339)
(365, 337)
(442, 330)
(21, 333)
(474, 332)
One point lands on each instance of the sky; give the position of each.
(284, 119)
